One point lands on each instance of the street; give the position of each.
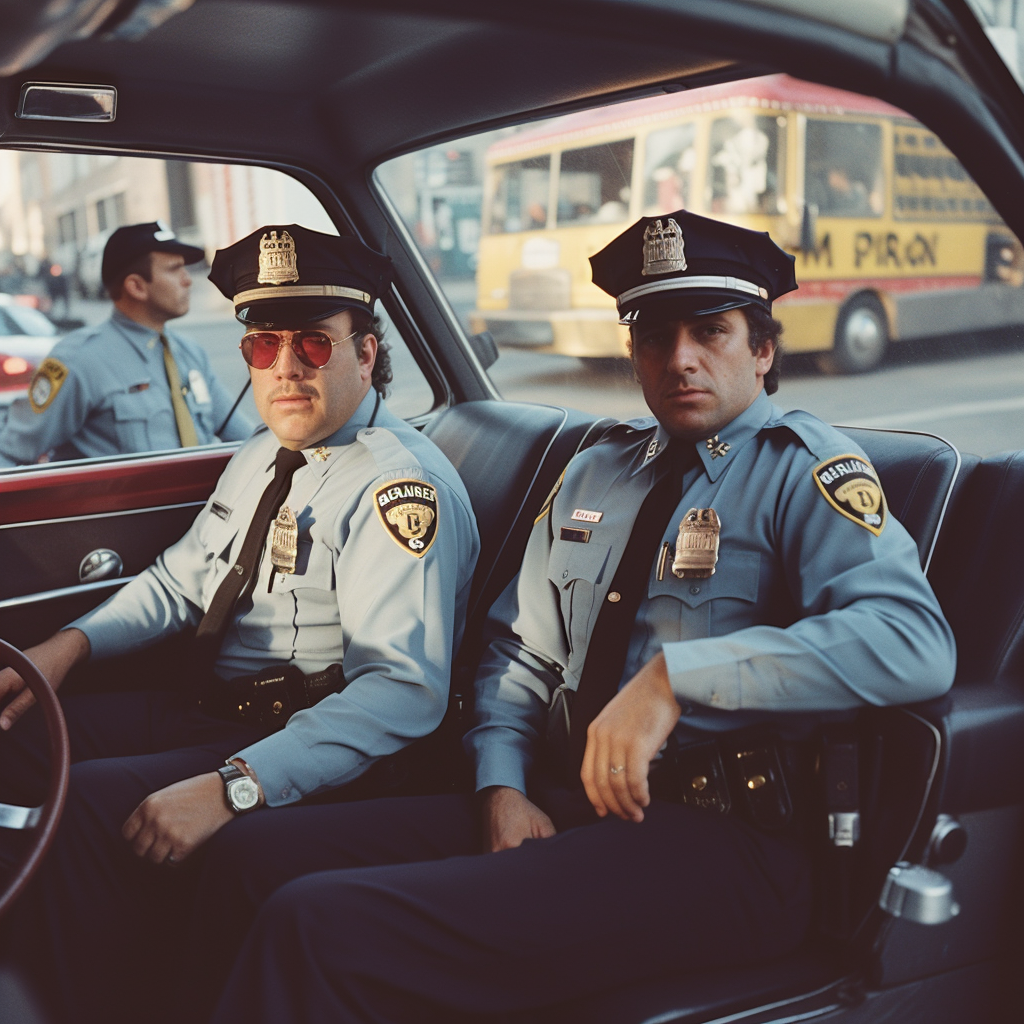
(968, 391)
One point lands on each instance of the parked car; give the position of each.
(26, 336)
(920, 916)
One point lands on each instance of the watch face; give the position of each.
(243, 794)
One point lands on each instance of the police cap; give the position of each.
(285, 273)
(127, 244)
(681, 264)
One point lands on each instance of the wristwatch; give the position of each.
(241, 792)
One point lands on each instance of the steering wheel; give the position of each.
(43, 820)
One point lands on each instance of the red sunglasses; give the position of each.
(260, 349)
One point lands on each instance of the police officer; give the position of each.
(700, 589)
(128, 384)
(327, 575)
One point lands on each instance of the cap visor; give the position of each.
(659, 308)
(293, 311)
(191, 253)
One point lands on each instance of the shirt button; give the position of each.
(614, 596)
(715, 698)
(285, 793)
(368, 430)
(695, 589)
(152, 343)
(565, 574)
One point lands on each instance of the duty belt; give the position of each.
(271, 696)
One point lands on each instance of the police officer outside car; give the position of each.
(327, 578)
(700, 589)
(128, 384)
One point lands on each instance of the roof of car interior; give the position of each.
(336, 86)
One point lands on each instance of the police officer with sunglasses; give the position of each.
(326, 579)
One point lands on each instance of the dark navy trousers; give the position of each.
(385, 911)
(98, 927)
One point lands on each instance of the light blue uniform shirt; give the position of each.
(358, 597)
(116, 398)
(808, 612)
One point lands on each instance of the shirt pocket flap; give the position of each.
(216, 536)
(137, 405)
(314, 568)
(736, 575)
(571, 561)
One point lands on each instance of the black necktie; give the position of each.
(609, 642)
(241, 578)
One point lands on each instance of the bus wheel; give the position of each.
(862, 337)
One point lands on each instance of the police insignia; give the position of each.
(408, 510)
(851, 487)
(46, 383)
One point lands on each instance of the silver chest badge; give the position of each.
(663, 248)
(284, 544)
(697, 544)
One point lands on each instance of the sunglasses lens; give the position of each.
(259, 350)
(312, 347)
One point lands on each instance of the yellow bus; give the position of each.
(893, 239)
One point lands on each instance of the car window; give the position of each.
(910, 312)
(57, 212)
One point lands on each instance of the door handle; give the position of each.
(101, 564)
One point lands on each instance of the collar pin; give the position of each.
(718, 449)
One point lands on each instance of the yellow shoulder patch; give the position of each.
(546, 507)
(408, 510)
(850, 485)
(46, 382)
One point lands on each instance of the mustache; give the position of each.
(294, 391)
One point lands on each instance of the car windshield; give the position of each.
(29, 321)
(1003, 21)
(910, 311)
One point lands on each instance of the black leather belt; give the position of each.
(270, 697)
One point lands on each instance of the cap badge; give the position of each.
(278, 259)
(697, 544)
(718, 449)
(663, 248)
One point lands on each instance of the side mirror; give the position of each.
(809, 228)
(484, 348)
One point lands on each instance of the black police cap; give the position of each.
(127, 244)
(285, 273)
(682, 264)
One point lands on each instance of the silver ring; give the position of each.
(615, 771)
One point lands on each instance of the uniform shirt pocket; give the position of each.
(575, 570)
(216, 536)
(304, 600)
(132, 413)
(715, 606)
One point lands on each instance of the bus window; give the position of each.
(520, 198)
(843, 174)
(593, 184)
(745, 161)
(669, 161)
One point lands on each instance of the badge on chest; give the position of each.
(697, 544)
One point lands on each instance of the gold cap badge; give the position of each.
(697, 544)
(278, 259)
(663, 248)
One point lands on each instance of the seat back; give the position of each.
(978, 572)
(919, 473)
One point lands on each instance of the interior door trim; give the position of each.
(52, 595)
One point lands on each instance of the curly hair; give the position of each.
(364, 323)
(762, 327)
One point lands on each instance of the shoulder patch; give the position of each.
(546, 507)
(850, 485)
(408, 511)
(46, 382)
